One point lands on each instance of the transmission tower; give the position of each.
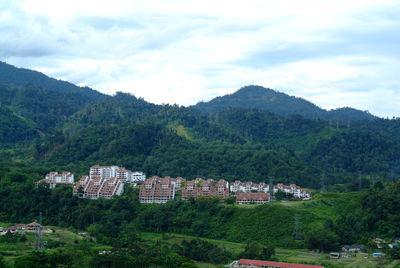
(271, 188)
(323, 182)
(296, 232)
(39, 236)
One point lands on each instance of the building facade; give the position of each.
(157, 190)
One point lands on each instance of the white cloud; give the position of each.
(334, 53)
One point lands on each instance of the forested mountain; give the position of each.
(55, 123)
(257, 97)
(20, 77)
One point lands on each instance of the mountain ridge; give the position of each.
(258, 97)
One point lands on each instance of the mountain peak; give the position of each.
(258, 97)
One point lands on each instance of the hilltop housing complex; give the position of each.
(107, 181)
(161, 190)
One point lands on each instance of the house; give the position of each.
(272, 264)
(377, 255)
(21, 226)
(33, 226)
(252, 198)
(334, 255)
(353, 248)
(157, 190)
(53, 179)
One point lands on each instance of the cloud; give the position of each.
(334, 53)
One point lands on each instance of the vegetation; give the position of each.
(47, 125)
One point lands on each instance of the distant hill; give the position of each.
(20, 77)
(257, 97)
(38, 100)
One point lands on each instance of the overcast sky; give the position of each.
(333, 53)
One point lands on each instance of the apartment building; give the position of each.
(121, 173)
(157, 190)
(98, 187)
(200, 187)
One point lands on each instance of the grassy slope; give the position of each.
(284, 255)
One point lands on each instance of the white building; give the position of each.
(53, 178)
(121, 173)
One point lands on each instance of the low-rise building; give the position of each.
(121, 173)
(246, 187)
(252, 198)
(53, 179)
(293, 189)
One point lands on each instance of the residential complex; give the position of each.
(246, 192)
(107, 181)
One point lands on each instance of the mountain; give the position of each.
(257, 97)
(38, 101)
(20, 77)
(51, 122)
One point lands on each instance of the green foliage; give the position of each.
(201, 250)
(12, 238)
(257, 251)
(322, 239)
(230, 200)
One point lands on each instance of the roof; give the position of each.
(260, 196)
(279, 264)
(34, 224)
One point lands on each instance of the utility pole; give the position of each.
(359, 181)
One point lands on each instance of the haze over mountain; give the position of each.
(257, 97)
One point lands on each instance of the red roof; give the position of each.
(279, 264)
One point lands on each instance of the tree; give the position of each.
(257, 251)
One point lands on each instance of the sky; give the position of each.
(332, 53)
